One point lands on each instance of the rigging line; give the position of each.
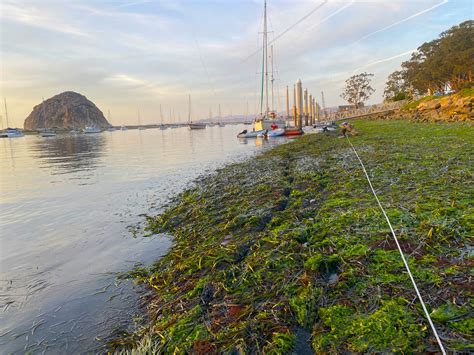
(203, 64)
(400, 250)
(299, 21)
(289, 28)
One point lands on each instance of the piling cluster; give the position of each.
(305, 111)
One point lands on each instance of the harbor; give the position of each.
(260, 177)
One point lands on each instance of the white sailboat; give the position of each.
(140, 127)
(195, 125)
(268, 119)
(162, 126)
(90, 129)
(47, 132)
(10, 132)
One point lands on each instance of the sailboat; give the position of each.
(162, 126)
(10, 132)
(195, 125)
(110, 128)
(90, 129)
(268, 120)
(46, 132)
(140, 127)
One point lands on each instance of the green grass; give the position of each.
(294, 240)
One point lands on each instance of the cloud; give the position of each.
(402, 20)
(38, 17)
(379, 61)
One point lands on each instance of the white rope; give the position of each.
(401, 252)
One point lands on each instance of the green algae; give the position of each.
(294, 238)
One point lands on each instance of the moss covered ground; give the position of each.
(289, 252)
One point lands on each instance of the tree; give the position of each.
(444, 61)
(396, 88)
(358, 89)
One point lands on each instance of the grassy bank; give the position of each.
(289, 251)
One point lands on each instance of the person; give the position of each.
(346, 128)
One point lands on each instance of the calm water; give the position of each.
(68, 209)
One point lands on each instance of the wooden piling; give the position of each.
(295, 112)
(306, 107)
(299, 99)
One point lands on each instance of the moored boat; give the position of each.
(48, 132)
(247, 134)
(91, 129)
(11, 133)
(191, 124)
(293, 131)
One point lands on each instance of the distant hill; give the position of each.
(66, 110)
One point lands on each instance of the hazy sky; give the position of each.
(126, 55)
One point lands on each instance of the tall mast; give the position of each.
(189, 109)
(210, 114)
(161, 115)
(6, 112)
(272, 78)
(137, 112)
(265, 51)
(219, 113)
(42, 109)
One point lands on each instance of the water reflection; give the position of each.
(69, 154)
(60, 237)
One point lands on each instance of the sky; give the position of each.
(135, 55)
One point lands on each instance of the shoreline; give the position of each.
(288, 251)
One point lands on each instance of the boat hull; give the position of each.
(293, 132)
(196, 126)
(253, 134)
(11, 133)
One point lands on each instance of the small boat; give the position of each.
(293, 131)
(253, 134)
(278, 132)
(221, 124)
(11, 133)
(111, 129)
(48, 132)
(192, 125)
(91, 129)
(123, 128)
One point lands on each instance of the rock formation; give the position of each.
(66, 110)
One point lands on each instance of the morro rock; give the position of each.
(66, 110)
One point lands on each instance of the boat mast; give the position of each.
(189, 108)
(44, 114)
(161, 115)
(265, 51)
(220, 118)
(6, 112)
(272, 79)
